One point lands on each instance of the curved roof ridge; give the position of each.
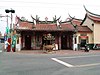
(90, 13)
(74, 17)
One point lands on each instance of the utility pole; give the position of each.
(11, 29)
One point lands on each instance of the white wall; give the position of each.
(97, 33)
(88, 23)
(90, 37)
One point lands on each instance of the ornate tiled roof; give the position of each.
(92, 16)
(64, 26)
(45, 27)
(83, 29)
(76, 22)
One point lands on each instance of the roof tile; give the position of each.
(84, 29)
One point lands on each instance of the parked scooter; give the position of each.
(87, 48)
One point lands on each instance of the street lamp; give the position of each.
(10, 11)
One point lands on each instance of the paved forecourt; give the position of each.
(79, 61)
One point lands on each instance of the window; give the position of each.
(92, 24)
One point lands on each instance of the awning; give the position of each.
(83, 37)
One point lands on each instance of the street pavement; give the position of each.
(1, 47)
(64, 62)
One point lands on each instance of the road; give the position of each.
(49, 64)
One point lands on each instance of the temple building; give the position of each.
(32, 34)
(82, 34)
(72, 34)
(92, 21)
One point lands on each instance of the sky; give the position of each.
(46, 8)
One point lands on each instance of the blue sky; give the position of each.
(47, 8)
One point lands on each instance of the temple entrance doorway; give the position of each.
(28, 42)
(63, 42)
(66, 41)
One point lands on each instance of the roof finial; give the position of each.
(34, 20)
(85, 8)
